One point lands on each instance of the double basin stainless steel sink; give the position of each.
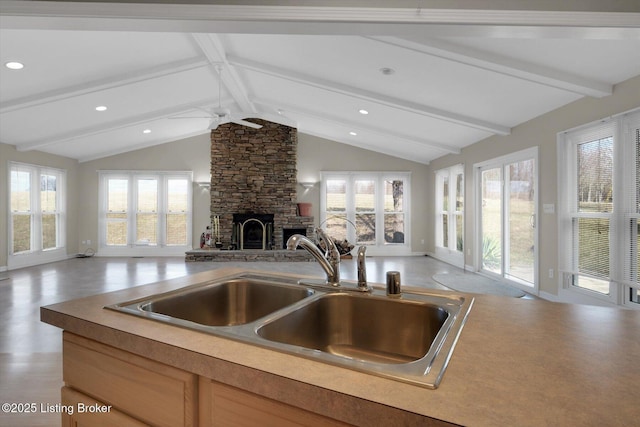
(409, 339)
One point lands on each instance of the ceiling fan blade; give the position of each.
(246, 123)
(204, 110)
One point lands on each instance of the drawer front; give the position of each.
(146, 390)
(222, 406)
(82, 414)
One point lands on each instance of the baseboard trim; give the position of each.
(549, 297)
(567, 297)
(142, 251)
(447, 260)
(30, 260)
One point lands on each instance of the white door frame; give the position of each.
(502, 161)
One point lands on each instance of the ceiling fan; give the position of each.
(221, 115)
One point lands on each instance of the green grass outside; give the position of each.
(521, 237)
(21, 220)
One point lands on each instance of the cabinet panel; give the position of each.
(152, 392)
(82, 416)
(224, 406)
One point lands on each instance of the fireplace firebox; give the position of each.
(252, 231)
(288, 232)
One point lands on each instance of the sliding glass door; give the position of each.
(491, 219)
(449, 212)
(507, 217)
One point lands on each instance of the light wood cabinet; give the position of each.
(139, 391)
(222, 405)
(84, 415)
(148, 391)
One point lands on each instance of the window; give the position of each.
(178, 211)
(367, 209)
(37, 207)
(394, 213)
(365, 204)
(145, 210)
(449, 211)
(600, 208)
(117, 211)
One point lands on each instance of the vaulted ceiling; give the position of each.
(432, 81)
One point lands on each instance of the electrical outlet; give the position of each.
(551, 273)
(422, 242)
(88, 242)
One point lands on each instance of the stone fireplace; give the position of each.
(253, 185)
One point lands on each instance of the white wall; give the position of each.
(541, 132)
(191, 154)
(314, 155)
(8, 153)
(317, 154)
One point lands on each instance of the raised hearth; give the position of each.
(197, 255)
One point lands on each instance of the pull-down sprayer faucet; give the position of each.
(363, 286)
(329, 261)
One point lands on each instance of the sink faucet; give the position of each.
(362, 270)
(329, 261)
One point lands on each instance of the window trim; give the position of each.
(452, 256)
(380, 247)
(133, 248)
(620, 128)
(36, 254)
(501, 162)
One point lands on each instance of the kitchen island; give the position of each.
(517, 362)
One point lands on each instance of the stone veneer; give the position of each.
(254, 171)
(246, 255)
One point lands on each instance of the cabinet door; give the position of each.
(152, 392)
(80, 411)
(222, 405)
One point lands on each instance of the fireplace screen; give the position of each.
(253, 231)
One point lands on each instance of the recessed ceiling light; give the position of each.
(14, 65)
(146, 131)
(363, 111)
(353, 133)
(101, 108)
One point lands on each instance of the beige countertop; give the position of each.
(517, 362)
